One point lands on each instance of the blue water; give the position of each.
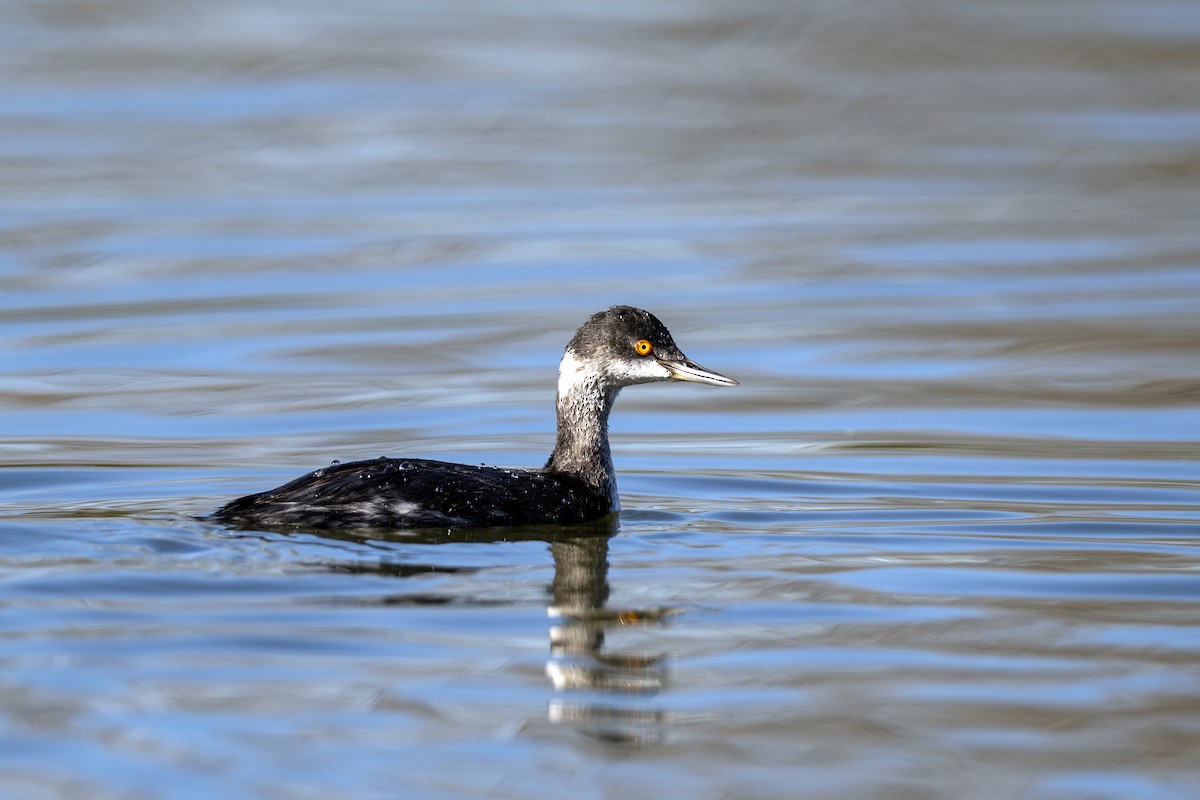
(941, 542)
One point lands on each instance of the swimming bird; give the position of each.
(616, 348)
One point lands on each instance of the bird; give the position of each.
(621, 346)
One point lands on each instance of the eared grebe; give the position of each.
(615, 348)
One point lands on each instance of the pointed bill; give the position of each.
(684, 370)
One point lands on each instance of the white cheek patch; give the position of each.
(644, 370)
(580, 379)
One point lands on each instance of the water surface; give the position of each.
(940, 543)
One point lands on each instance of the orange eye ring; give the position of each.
(643, 347)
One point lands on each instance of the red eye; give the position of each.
(643, 347)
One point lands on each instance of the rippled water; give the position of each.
(941, 542)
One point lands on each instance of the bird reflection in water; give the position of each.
(605, 694)
(608, 689)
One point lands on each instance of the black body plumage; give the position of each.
(615, 348)
(421, 493)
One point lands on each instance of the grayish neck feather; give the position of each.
(584, 401)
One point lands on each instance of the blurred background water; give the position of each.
(940, 543)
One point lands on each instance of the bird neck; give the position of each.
(583, 402)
